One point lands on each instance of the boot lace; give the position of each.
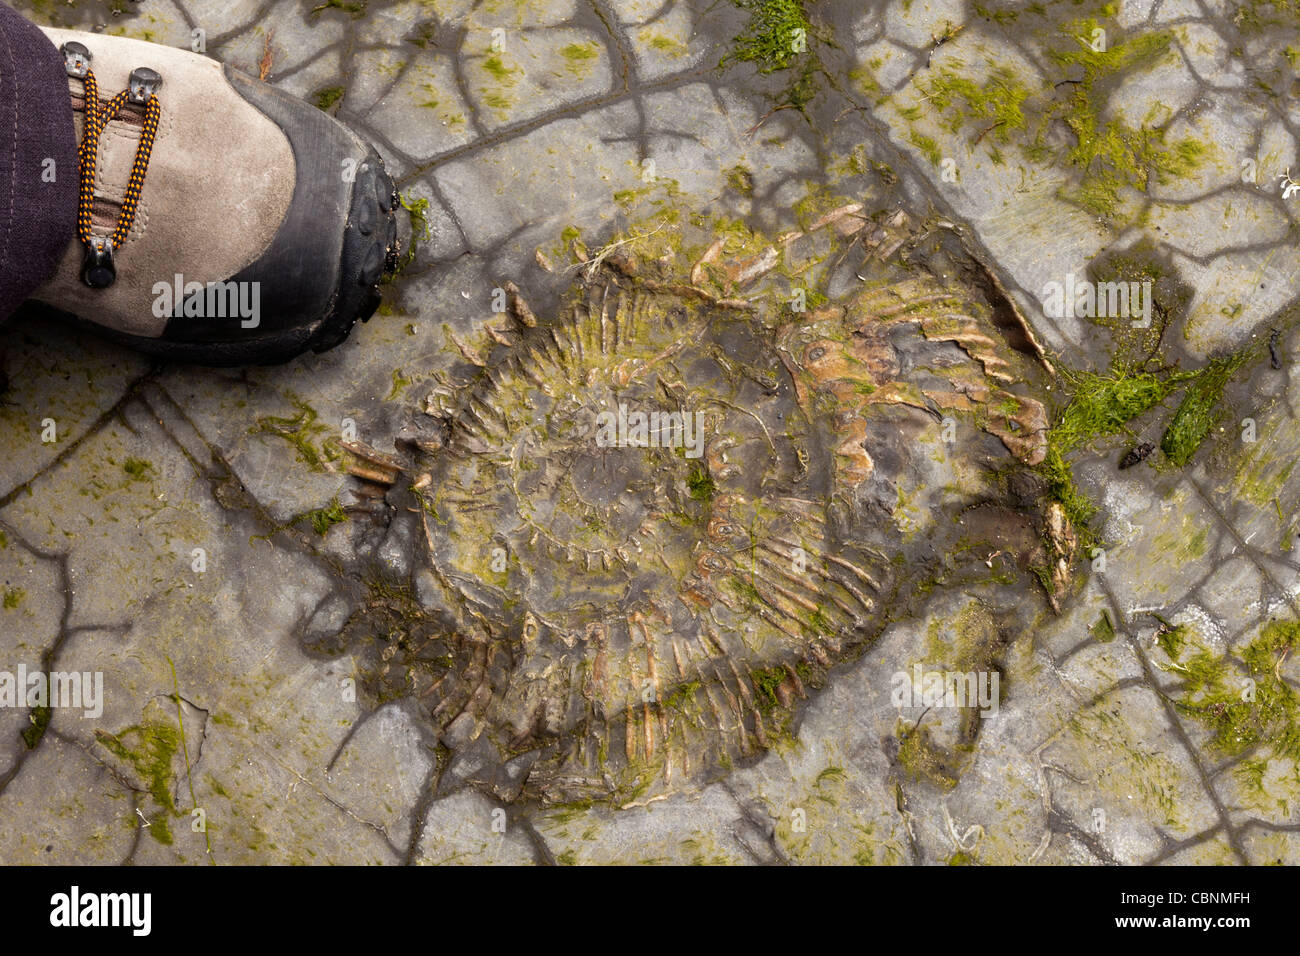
(98, 270)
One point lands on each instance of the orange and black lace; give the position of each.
(99, 270)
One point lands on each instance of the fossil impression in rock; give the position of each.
(642, 609)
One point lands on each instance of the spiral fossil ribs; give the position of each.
(635, 616)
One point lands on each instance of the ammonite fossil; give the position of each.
(658, 519)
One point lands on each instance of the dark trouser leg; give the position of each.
(38, 160)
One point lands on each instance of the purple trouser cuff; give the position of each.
(38, 160)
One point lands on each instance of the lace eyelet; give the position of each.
(143, 85)
(76, 59)
(97, 269)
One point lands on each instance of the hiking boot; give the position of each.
(220, 221)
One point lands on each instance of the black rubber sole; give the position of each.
(369, 251)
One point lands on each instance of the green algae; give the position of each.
(704, 851)
(137, 468)
(37, 724)
(580, 57)
(12, 598)
(1263, 16)
(700, 484)
(356, 9)
(924, 760)
(1108, 154)
(1251, 706)
(1172, 639)
(741, 180)
(401, 382)
(1103, 629)
(1262, 475)
(322, 519)
(766, 680)
(995, 105)
(999, 15)
(1128, 767)
(669, 46)
(928, 147)
(309, 438)
(769, 40)
(506, 78)
(326, 98)
(150, 748)
(682, 695)
(418, 211)
(830, 773)
(1199, 409)
(424, 35)
(1101, 405)
(777, 38)
(500, 72)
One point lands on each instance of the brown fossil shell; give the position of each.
(636, 608)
